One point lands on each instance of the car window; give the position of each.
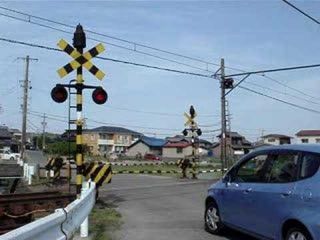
(253, 170)
(309, 165)
(284, 168)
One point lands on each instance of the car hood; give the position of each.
(215, 185)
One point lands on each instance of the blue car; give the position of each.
(271, 193)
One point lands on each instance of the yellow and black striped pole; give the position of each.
(79, 42)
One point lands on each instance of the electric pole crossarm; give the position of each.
(274, 70)
(238, 84)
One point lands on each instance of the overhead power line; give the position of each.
(29, 20)
(302, 12)
(134, 44)
(283, 93)
(279, 100)
(292, 88)
(107, 59)
(63, 119)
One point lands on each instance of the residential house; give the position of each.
(146, 145)
(237, 145)
(276, 139)
(106, 140)
(5, 137)
(308, 136)
(204, 147)
(177, 147)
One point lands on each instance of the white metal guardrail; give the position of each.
(60, 225)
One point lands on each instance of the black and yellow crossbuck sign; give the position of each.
(80, 60)
(98, 172)
(190, 120)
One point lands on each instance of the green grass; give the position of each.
(167, 168)
(104, 221)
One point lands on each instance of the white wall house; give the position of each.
(276, 139)
(308, 136)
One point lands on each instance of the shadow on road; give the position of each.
(231, 234)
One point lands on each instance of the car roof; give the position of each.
(313, 148)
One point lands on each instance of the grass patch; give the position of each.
(104, 221)
(166, 168)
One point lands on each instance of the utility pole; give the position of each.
(223, 118)
(44, 124)
(25, 106)
(229, 140)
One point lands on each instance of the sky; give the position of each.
(249, 35)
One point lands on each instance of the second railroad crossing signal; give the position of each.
(193, 129)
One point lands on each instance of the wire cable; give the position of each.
(111, 37)
(99, 40)
(107, 59)
(302, 12)
(283, 93)
(280, 100)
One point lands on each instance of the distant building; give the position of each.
(16, 134)
(107, 140)
(146, 145)
(180, 146)
(5, 137)
(308, 136)
(237, 145)
(175, 148)
(276, 139)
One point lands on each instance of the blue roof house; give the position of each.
(146, 145)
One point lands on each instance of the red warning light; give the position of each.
(59, 94)
(99, 95)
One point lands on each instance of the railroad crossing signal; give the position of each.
(193, 129)
(190, 118)
(80, 59)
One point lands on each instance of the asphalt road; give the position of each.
(161, 208)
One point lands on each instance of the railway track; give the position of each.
(19, 209)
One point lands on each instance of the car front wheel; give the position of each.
(298, 234)
(11, 158)
(212, 219)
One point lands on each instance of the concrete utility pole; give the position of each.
(25, 106)
(223, 118)
(228, 129)
(44, 124)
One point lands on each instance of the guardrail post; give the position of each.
(84, 227)
(30, 174)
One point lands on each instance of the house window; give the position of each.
(317, 140)
(179, 150)
(271, 140)
(91, 136)
(304, 140)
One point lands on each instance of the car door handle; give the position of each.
(248, 190)
(286, 194)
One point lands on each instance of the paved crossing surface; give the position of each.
(161, 208)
